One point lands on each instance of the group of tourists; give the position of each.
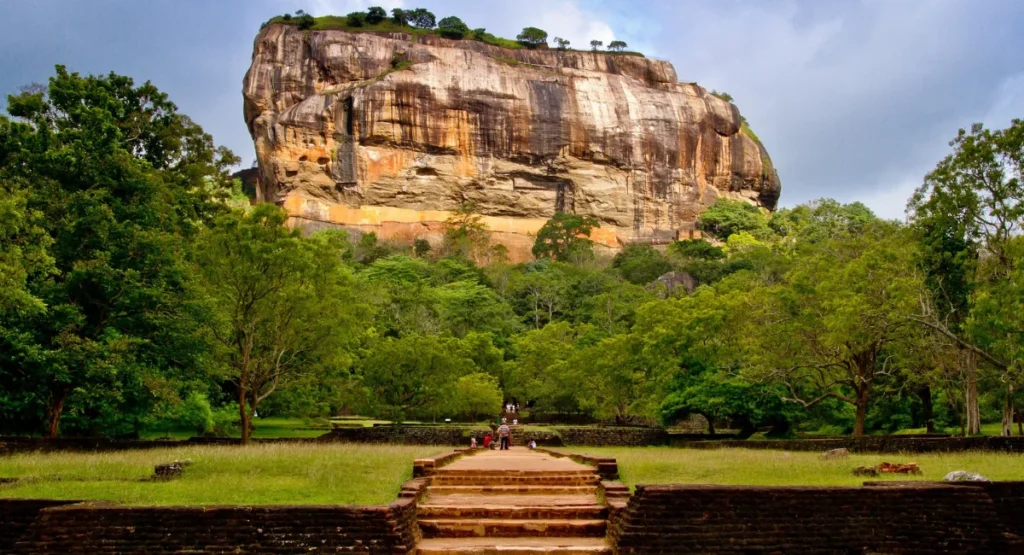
(511, 408)
(504, 438)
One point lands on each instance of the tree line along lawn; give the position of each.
(733, 466)
(276, 427)
(277, 474)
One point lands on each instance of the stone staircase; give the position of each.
(515, 502)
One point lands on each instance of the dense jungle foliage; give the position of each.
(137, 292)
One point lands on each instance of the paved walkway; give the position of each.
(517, 459)
(515, 502)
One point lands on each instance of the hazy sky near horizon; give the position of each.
(854, 99)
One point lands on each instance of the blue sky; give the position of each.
(854, 99)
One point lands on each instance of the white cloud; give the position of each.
(343, 7)
(856, 99)
(565, 19)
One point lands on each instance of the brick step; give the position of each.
(513, 512)
(510, 479)
(514, 546)
(512, 528)
(512, 472)
(520, 489)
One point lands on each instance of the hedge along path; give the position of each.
(513, 502)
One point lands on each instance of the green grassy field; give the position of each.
(343, 474)
(667, 465)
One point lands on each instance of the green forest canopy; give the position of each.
(133, 296)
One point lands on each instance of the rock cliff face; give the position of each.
(392, 133)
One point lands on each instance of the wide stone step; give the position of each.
(514, 546)
(514, 512)
(512, 528)
(520, 489)
(515, 478)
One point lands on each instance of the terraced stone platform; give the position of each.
(515, 502)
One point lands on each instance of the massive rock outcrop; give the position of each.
(393, 132)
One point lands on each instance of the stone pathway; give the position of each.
(515, 502)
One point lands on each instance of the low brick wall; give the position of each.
(428, 465)
(929, 518)
(1008, 498)
(16, 515)
(387, 529)
(613, 437)
(872, 444)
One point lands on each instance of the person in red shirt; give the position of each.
(487, 440)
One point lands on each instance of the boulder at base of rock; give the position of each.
(865, 471)
(964, 476)
(835, 454)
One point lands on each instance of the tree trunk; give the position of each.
(244, 414)
(862, 409)
(971, 406)
(711, 424)
(55, 410)
(1006, 429)
(1020, 421)
(927, 411)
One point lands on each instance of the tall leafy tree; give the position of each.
(967, 213)
(285, 305)
(120, 182)
(830, 327)
(412, 375)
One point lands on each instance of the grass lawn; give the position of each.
(344, 474)
(667, 465)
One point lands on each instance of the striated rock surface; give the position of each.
(392, 133)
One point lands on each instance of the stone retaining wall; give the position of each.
(927, 518)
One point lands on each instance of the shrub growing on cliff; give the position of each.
(566, 237)
(563, 44)
(532, 37)
(452, 27)
(640, 264)
(725, 217)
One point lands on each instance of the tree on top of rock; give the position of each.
(400, 16)
(452, 27)
(375, 15)
(563, 44)
(617, 45)
(421, 18)
(595, 44)
(532, 37)
(356, 19)
(566, 237)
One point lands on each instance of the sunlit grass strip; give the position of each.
(275, 474)
(667, 465)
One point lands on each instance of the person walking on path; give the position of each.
(504, 433)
